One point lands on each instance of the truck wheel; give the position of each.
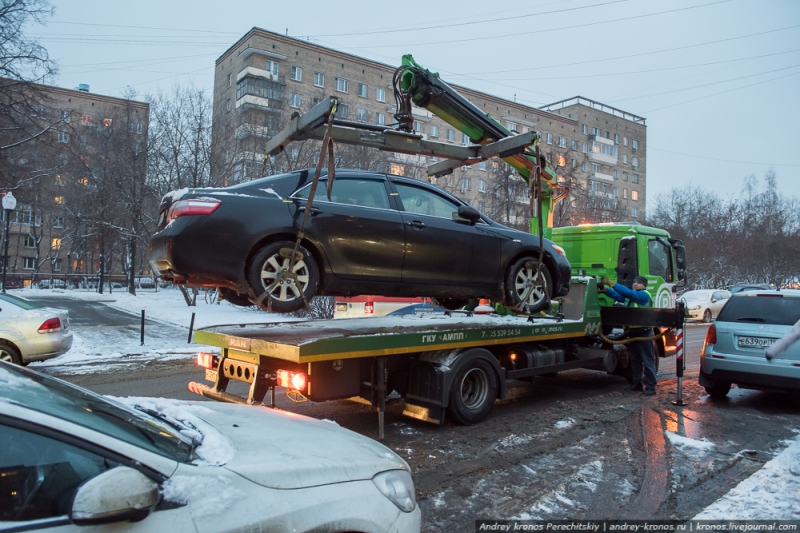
(234, 298)
(719, 389)
(10, 354)
(269, 264)
(522, 275)
(473, 392)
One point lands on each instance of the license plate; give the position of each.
(756, 342)
(211, 375)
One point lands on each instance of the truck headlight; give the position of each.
(398, 487)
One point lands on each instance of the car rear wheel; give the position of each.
(9, 354)
(707, 316)
(520, 278)
(270, 268)
(473, 392)
(718, 390)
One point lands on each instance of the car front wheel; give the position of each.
(707, 316)
(270, 269)
(9, 354)
(524, 282)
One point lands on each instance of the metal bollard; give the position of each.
(679, 366)
(191, 329)
(142, 334)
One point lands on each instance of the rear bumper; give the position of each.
(46, 346)
(751, 372)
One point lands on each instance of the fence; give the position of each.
(16, 280)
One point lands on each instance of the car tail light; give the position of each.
(207, 360)
(369, 308)
(50, 325)
(192, 207)
(292, 380)
(711, 334)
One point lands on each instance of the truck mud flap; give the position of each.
(426, 392)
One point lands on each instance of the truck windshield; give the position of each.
(79, 406)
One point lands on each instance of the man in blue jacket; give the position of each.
(643, 361)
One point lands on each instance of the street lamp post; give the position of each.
(9, 204)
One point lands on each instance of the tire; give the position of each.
(519, 276)
(451, 304)
(234, 298)
(267, 266)
(472, 392)
(719, 389)
(9, 354)
(707, 316)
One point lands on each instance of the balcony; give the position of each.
(602, 150)
(255, 73)
(251, 130)
(252, 101)
(599, 176)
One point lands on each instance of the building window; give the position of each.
(57, 265)
(451, 135)
(512, 127)
(634, 161)
(635, 195)
(59, 200)
(574, 163)
(634, 212)
(294, 100)
(64, 115)
(380, 119)
(380, 94)
(86, 120)
(574, 145)
(28, 263)
(562, 142)
(549, 138)
(583, 166)
(343, 111)
(55, 243)
(624, 193)
(417, 126)
(228, 105)
(63, 137)
(397, 170)
(61, 180)
(634, 144)
(83, 181)
(482, 166)
(482, 186)
(25, 216)
(624, 141)
(135, 127)
(361, 115)
(465, 139)
(625, 158)
(230, 80)
(272, 67)
(29, 242)
(616, 138)
(635, 178)
(596, 131)
(362, 90)
(319, 79)
(297, 74)
(434, 130)
(585, 147)
(561, 161)
(616, 174)
(466, 184)
(595, 168)
(608, 134)
(342, 85)
(624, 176)
(58, 222)
(585, 129)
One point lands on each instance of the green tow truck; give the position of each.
(458, 363)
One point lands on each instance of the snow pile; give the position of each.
(687, 445)
(771, 493)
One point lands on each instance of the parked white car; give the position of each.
(704, 305)
(30, 332)
(72, 459)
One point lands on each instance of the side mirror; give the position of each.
(116, 495)
(680, 265)
(713, 300)
(469, 213)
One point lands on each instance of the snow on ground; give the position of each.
(770, 493)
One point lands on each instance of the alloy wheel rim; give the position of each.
(276, 268)
(525, 278)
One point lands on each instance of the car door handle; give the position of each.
(416, 224)
(314, 211)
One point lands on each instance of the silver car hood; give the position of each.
(283, 450)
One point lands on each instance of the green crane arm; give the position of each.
(417, 85)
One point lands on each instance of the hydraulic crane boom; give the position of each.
(417, 85)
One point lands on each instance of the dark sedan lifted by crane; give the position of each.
(376, 234)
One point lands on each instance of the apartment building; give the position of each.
(265, 77)
(70, 182)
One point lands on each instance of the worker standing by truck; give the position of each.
(643, 363)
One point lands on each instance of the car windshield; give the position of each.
(774, 308)
(19, 302)
(57, 398)
(696, 296)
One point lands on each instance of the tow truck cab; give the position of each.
(622, 251)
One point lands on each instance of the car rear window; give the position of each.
(772, 308)
(19, 302)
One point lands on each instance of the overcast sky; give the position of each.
(717, 80)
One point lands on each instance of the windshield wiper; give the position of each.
(750, 319)
(187, 430)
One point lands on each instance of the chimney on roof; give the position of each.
(83, 87)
